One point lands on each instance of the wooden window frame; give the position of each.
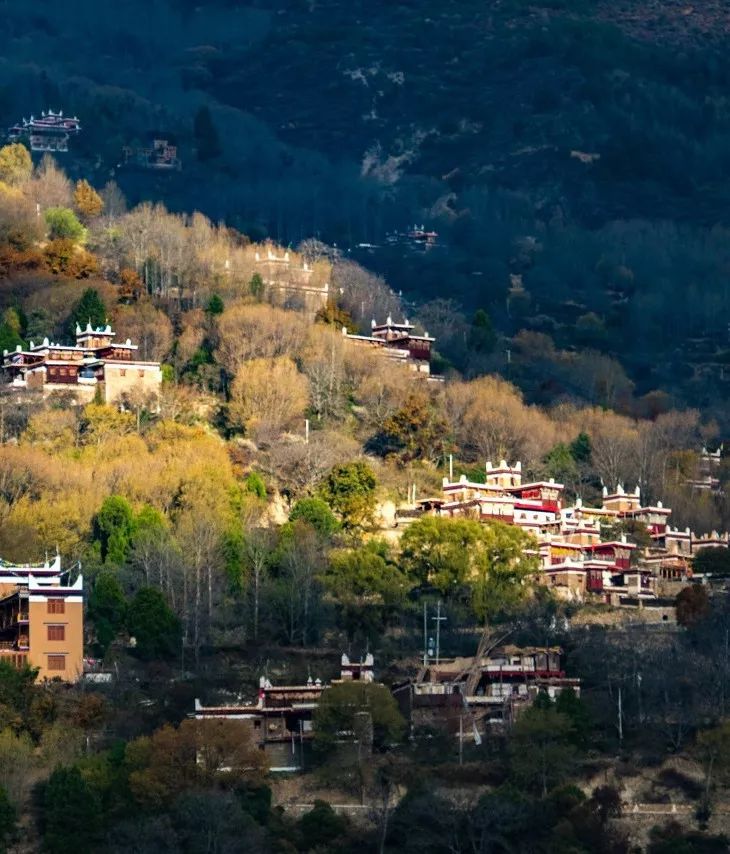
(56, 606)
(56, 633)
(54, 660)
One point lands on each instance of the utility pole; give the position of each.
(451, 468)
(620, 718)
(425, 635)
(461, 739)
(438, 619)
(724, 673)
(301, 744)
(306, 431)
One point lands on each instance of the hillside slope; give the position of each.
(580, 144)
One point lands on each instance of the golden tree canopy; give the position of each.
(15, 164)
(87, 201)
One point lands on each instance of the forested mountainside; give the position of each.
(457, 582)
(253, 515)
(579, 144)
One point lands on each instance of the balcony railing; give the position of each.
(20, 643)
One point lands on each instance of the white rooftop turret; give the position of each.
(32, 345)
(503, 464)
(88, 326)
(637, 491)
(518, 465)
(620, 489)
(18, 348)
(45, 342)
(345, 659)
(389, 320)
(605, 492)
(659, 504)
(78, 328)
(489, 465)
(128, 342)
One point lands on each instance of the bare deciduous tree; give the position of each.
(268, 396)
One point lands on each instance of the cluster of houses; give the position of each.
(96, 366)
(464, 697)
(50, 132)
(575, 559)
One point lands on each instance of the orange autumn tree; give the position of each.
(194, 755)
(87, 201)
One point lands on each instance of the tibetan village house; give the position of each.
(474, 695)
(159, 154)
(50, 132)
(96, 363)
(42, 619)
(398, 343)
(280, 721)
(293, 282)
(706, 478)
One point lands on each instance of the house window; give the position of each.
(56, 606)
(56, 662)
(122, 372)
(56, 633)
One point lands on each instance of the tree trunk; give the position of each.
(256, 581)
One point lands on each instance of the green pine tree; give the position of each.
(206, 136)
(90, 308)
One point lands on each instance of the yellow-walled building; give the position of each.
(42, 619)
